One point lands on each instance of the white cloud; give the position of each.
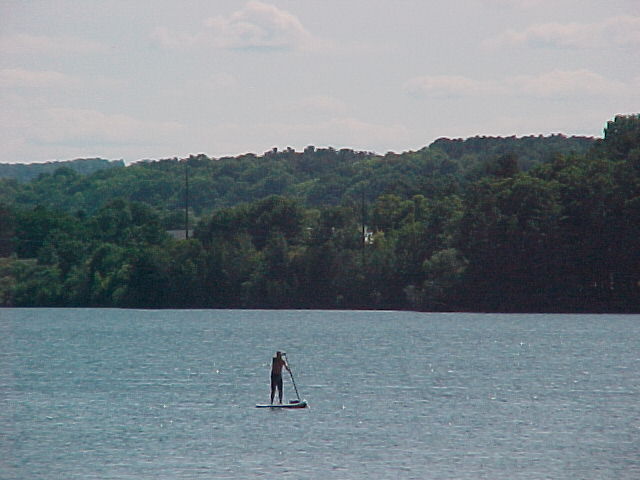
(37, 123)
(21, 78)
(257, 25)
(554, 84)
(443, 86)
(21, 44)
(85, 127)
(563, 84)
(514, 3)
(170, 39)
(221, 80)
(32, 129)
(202, 87)
(620, 31)
(50, 80)
(321, 104)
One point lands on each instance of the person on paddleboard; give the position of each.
(276, 375)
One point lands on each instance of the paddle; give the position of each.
(292, 380)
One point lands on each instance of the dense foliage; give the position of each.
(24, 173)
(486, 224)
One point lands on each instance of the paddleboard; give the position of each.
(300, 404)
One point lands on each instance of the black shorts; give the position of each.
(276, 381)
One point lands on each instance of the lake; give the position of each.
(130, 394)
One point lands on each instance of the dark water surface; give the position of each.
(124, 394)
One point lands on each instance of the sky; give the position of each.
(133, 80)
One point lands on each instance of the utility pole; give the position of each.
(364, 231)
(186, 199)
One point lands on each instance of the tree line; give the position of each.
(27, 172)
(484, 224)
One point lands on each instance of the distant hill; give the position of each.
(315, 177)
(27, 172)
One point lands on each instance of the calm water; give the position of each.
(117, 394)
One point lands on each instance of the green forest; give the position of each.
(492, 224)
(26, 172)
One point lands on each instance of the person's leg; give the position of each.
(273, 389)
(280, 389)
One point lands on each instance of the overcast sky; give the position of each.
(157, 79)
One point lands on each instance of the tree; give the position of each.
(7, 231)
(508, 235)
(271, 283)
(33, 227)
(504, 166)
(37, 285)
(275, 213)
(445, 273)
(147, 279)
(388, 212)
(622, 136)
(186, 272)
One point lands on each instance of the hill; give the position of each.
(315, 176)
(531, 224)
(27, 172)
